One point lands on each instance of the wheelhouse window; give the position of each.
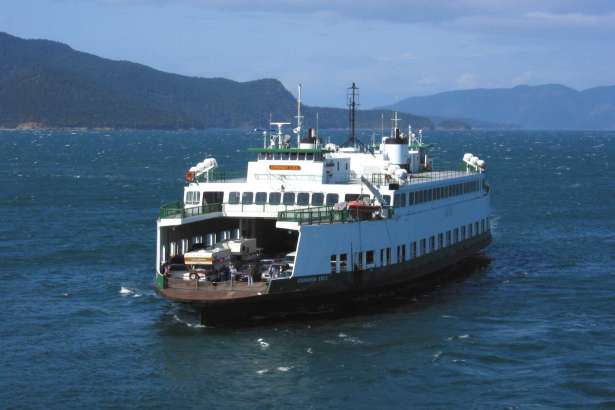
(303, 198)
(318, 198)
(260, 198)
(247, 198)
(332, 199)
(233, 197)
(274, 198)
(289, 198)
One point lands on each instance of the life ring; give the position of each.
(194, 276)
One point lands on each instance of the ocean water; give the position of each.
(82, 327)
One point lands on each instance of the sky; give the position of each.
(391, 48)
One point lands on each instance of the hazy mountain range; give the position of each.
(549, 106)
(48, 84)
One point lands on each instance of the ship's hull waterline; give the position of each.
(312, 294)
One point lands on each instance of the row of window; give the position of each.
(368, 259)
(290, 156)
(193, 198)
(402, 199)
(319, 198)
(289, 198)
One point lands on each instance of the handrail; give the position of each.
(326, 214)
(220, 175)
(176, 210)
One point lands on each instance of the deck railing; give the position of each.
(326, 215)
(176, 210)
(221, 175)
(415, 178)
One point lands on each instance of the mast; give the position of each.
(298, 129)
(352, 110)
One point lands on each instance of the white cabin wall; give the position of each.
(318, 242)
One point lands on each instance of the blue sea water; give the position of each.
(81, 326)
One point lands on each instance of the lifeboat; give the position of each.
(362, 209)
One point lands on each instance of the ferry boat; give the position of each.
(313, 222)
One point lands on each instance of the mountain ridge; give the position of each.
(49, 84)
(546, 106)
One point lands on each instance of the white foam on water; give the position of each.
(284, 368)
(264, 345)
(262, 371)
(125, 291)
(137, 295)
(436, 356)
(464, 336)
(342, 335)
(309, 350)
(192, 325)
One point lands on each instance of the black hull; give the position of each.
(345, 292)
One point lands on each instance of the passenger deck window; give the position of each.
(193, 198)
(351, 197)
(387, 199)
(369, 257)
(332, 199)
(261, 198)
(274, 198)
(309, 157)
(233, 197)
(213, 197)
(318, 198)
(247, 198)
(403, 200)
(303, 198)
(289, 198)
